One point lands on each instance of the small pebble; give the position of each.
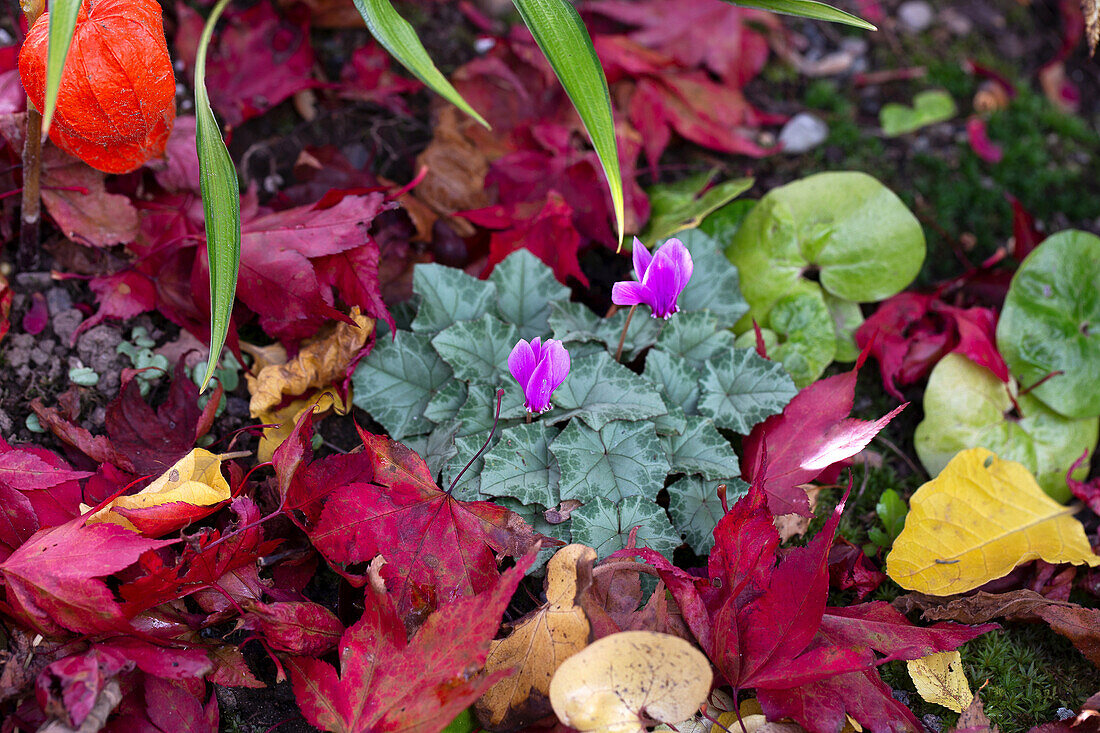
(58, 299)
(915, 16)
(901, 696)
(803, 132)
(932, 722)
(65, 324)
(1065, 713)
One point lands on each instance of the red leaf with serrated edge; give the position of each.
(813, 432)
(53, 579)
(161, 661)
(911, 332)
(377, 660)
(180, 705)
(71, 686)
(302, 628)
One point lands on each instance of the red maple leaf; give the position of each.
(911, 332)
(37, 489)
(812, 433)
(372, 691)
(53, 581)
(384, 501)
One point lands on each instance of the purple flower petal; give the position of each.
(558, 358)
(662, 281)
(642, 258)
(521, 362)
(538, 390)
(629, 293)
(680, 257)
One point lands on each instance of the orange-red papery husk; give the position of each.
(117, 100)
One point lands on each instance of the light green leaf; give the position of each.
(723, 224)
(674, 207)
(398, 37)
(605, 526)
(849, 229)
(847, 318)
(1051, 322)
(62, 20)
(221, 205)
(806, 9)
(715, 285)
(448, 295)
(560, 33)
(694, 337)
(701, 449)
(740, 389)
(928, 108)
(521, 466)
(478, 350)
(395, 381)
(696, 509)
(446, 401)
(622, 459)
(966, 406)
(599, 390)
(525, 289)
(675, 378)
(806, 335)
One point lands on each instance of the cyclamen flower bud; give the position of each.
(539, 368)
(661, 277)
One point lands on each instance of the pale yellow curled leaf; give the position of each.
(754, 723)
(320, 362)
(976, 521)
(194, 479)
(940, 680)
(628, 680)
(538, 644)
(283, 390)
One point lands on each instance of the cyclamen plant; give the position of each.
(614, 435)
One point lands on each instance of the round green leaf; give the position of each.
(966, 406)
(1051, 322)
(805, 332)
(845, 229)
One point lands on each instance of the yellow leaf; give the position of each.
(976, 521)
(195, 479)
(539, 643)
(940, 680)
(624, 681)
(282, 390)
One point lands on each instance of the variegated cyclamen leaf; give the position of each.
(619, 460)
(695, 338)
(741, 388)
(526, 288)
(605, 525)
(436, 448)
(446, 402)
(395, 381)
(715, 284)
(695, 508)
(448, 295)
(477, 412)
(701, 449)
(478, 350)
(576, 323)
(674, 378)
(468, 487)
(599, 390)
(521, 466)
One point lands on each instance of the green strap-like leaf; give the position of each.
(221, 205)
(561, 35)
(398, 37)
(806, 9)
(63, 15)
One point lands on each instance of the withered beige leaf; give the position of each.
(538, 644)
(626, 681)
(1091, 10)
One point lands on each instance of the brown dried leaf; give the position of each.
(974, 719)
(538, 644)
(456, 172)
(1091, 10)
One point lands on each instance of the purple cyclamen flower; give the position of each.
(661, 277)
(539, 368)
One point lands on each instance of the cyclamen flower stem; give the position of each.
(485, 447)
(528, 418)
(622, 339)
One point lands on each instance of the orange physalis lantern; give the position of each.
(117, 100)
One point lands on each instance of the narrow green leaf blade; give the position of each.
(63, 14)
(806, 9)
(560, 33)
(398, 37)
(221, 205)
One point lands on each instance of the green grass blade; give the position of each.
(806, 9)
(221, 205)
(63, 15)
(561, 35)
(398, 37)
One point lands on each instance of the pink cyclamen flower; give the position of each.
(661, 277)
(539, 368)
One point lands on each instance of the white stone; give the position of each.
(915, 15)
(803, 132)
